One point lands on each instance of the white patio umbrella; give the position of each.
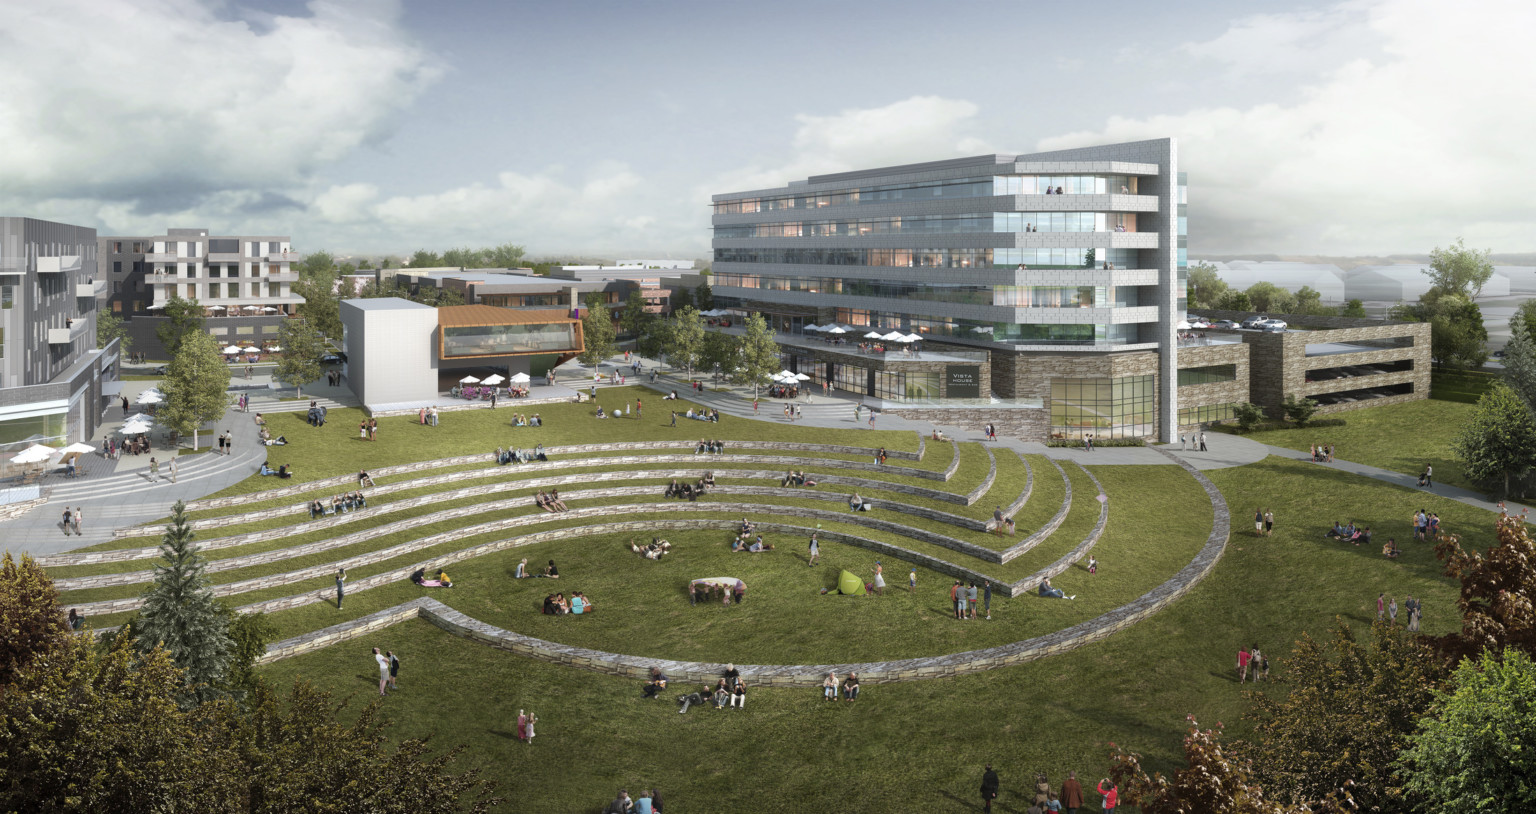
(836, 329)
(269, 309)
(35, 454)
(912, 338)
(136, 425)
(251, 308)
(1182, 326)
(469, 380)
(250, 349)
(150, 397)
(872, 335)
(893, 336)
(521, 378)
(274, 349)
(216, 308)
(801, 377)
(493, 379)
(232, 349)
(786, 372)
(811, 327)
(157, 306)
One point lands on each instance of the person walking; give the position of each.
(173, 470)
(754, 408)
(383, 670)
(989, 787)
(1072, 793)
(674, 418)
(74, 521)
(1413, 614)
(341, 586)
(986, 597)
(1243, 657)
(1381, 606)
(1269, 523)
(1112, 794)
(1203, 447)
(394, 669)
(871, 418)
(1391, 606)
(1429, 476)
(815, 551)
(154, 469)
(639, 408)
(1258, 522)
(879, 579)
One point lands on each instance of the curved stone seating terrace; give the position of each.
(801, 675)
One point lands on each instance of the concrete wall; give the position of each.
(391, 352)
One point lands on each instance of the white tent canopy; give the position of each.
(77, 447)
(469, 380)
(811, 327)
(493, 379)
(232, 349)
(249, 349)
(216, 308)
(893, 336)
(801, 377)
(1182, 326)
(912, 338)
(872, 335)
(150, 397)
(35, 454)
(273, 349)
(836, 329)
(520, 378)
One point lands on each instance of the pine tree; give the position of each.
(1520, 360)
(181, 614)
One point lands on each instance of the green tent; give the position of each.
(849, 584)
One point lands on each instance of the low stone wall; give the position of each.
(13, 510)
(465, 405)
(1058, 567)
(1015, 551)
(350, 481)
(1029, 486)
(800, 675)
(1029, 423)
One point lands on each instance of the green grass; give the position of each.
(921, 745)
(1465, 386)
(1399, 437)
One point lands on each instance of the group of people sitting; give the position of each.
(703, 414)
(269, 441)
(689, 491)
(338, 504)
(707, 446)
(795, 477)
(281, 472)
(849, 687)
(557, 605)
(520, 456)
(550, 572)
(707, 591)
(730, 690)
(746, 542)
(1322, 453)
(780, 391)
(1350, 533)
(442, 580)
(520, 420)
(655, 550)
(549, 502)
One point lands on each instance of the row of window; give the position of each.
(987, 222)
(1012, 296)
(1026, 334)
(1058, 258)
(1210, 374)
(1102, 407)
(1205, 414)
(958, 188)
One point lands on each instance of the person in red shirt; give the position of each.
(1243, 657)
(1111, 795)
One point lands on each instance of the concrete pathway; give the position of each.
(1407, 481)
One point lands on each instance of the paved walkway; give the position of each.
(1407, 481)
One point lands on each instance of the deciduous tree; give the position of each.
(634, 319)
(1267, 296)
(30, 619)
(1248, 415)
(1236, 301)
(704, 296)
(425, 259)
(504, 256)
(1354, 309)
(181, 615)
(1497, 590)
(1299, 410)
(599, 340)
(1206, 288)
(302, 349)
(183, 318)
(1498, 441)
(322, 301)
(1460, 270)
(685, 338)
(196, 386)
(109, 326)
(1341, 713)
(758, 355)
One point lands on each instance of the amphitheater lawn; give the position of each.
(921, 745)
(335, 449)
(1400, 437)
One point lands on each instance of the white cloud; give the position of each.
(161, 101)
(1397, 152)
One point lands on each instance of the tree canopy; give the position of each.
(1459, 270)
(1520, 361)
(181, 616)
(183, 318)
(29, 614)
(1496, 591)
(685, 338)
(109, 326)
(758, 357)
(1206, 288)
(195, 385)
(302, 350)
(1498, 442)
(598, 339)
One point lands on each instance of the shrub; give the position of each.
(1073, 443)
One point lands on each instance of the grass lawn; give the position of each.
(1399, 437)
(919, 745)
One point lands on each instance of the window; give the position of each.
(1205, 414)
(117, 267)
(1113, 408)
(1211, 374)
(117, 247)
(247, 330)
(117, 307)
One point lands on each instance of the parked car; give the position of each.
(1199, 324)
(1275, 327)
(1270, 323)
(1255, 322)
(330, 357)
(1224, 323)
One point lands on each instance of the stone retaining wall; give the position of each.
(13, 510)
(465, 405)
(569, 449)
(801, 675)
(1014, 551)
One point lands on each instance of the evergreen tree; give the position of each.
(682, 298)
(1520, 361)
(598, 339)
(181, 614)
(635, 319)
(704, 296)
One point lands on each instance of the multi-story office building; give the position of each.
(1049, 285)
(52, 385)
(243, 282)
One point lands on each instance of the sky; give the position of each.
(603, 128)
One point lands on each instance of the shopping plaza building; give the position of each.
(1049, 291)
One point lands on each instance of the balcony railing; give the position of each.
(91, 288)
(55, 265)
(284, 257)
(74, 329)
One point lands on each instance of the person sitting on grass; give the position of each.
(580, 604)
(829, 687)
(745, 527)
(695, 698)
(539, 454)
(654, 686)
(858, 504)
(1336, 531)
(600, 413)
(674, 489)
(550, 608)
(316, 509)
(442, 578)
(555, 501)
(552, 572)
(851, 687)
(362, 501)
(364, 479)
(686, 492)
(542, 501)
(758, 546)
(788, 479)
(1364, 538)
(708, 480)
(721, 694)
(1390, 549)
(267, 470)
(419, 576)
(335, 504)
(1053, 593)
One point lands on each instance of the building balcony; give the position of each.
(162, 279)
(159, 257)
(91, 289)
(280, 277)
(283, 257)
(224, 257)
(74, 329)
(58, 265)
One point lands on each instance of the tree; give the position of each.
(1206, 288)
(682, 298)
(109, 326)
(1459, 270)
(1308, 300)
(1499, 440)
(598, 338)
(634, 319)
(1353, 308)
(758, 356)
(1267, 296)
(505, 256)
(685, 339)
(1248, 415)
(1214, 780)
(249, 634)
(1477, 752)
(1457, 336)
(302, 349)
(29, 615)
(1299, 410)
(196, 386)
(322, 301)
(461, 258)
(1496, 591)
(719, 352)
(425, 259)
(653, 342)
(180, 614)
(1520, 361)
(316, 263)
(704, 296)
(182, 319)
(1348, 710)
(389, 262)
(1526, 312)
(1235, 301)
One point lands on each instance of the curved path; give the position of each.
(796, 675)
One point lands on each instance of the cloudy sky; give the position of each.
(603, 127)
